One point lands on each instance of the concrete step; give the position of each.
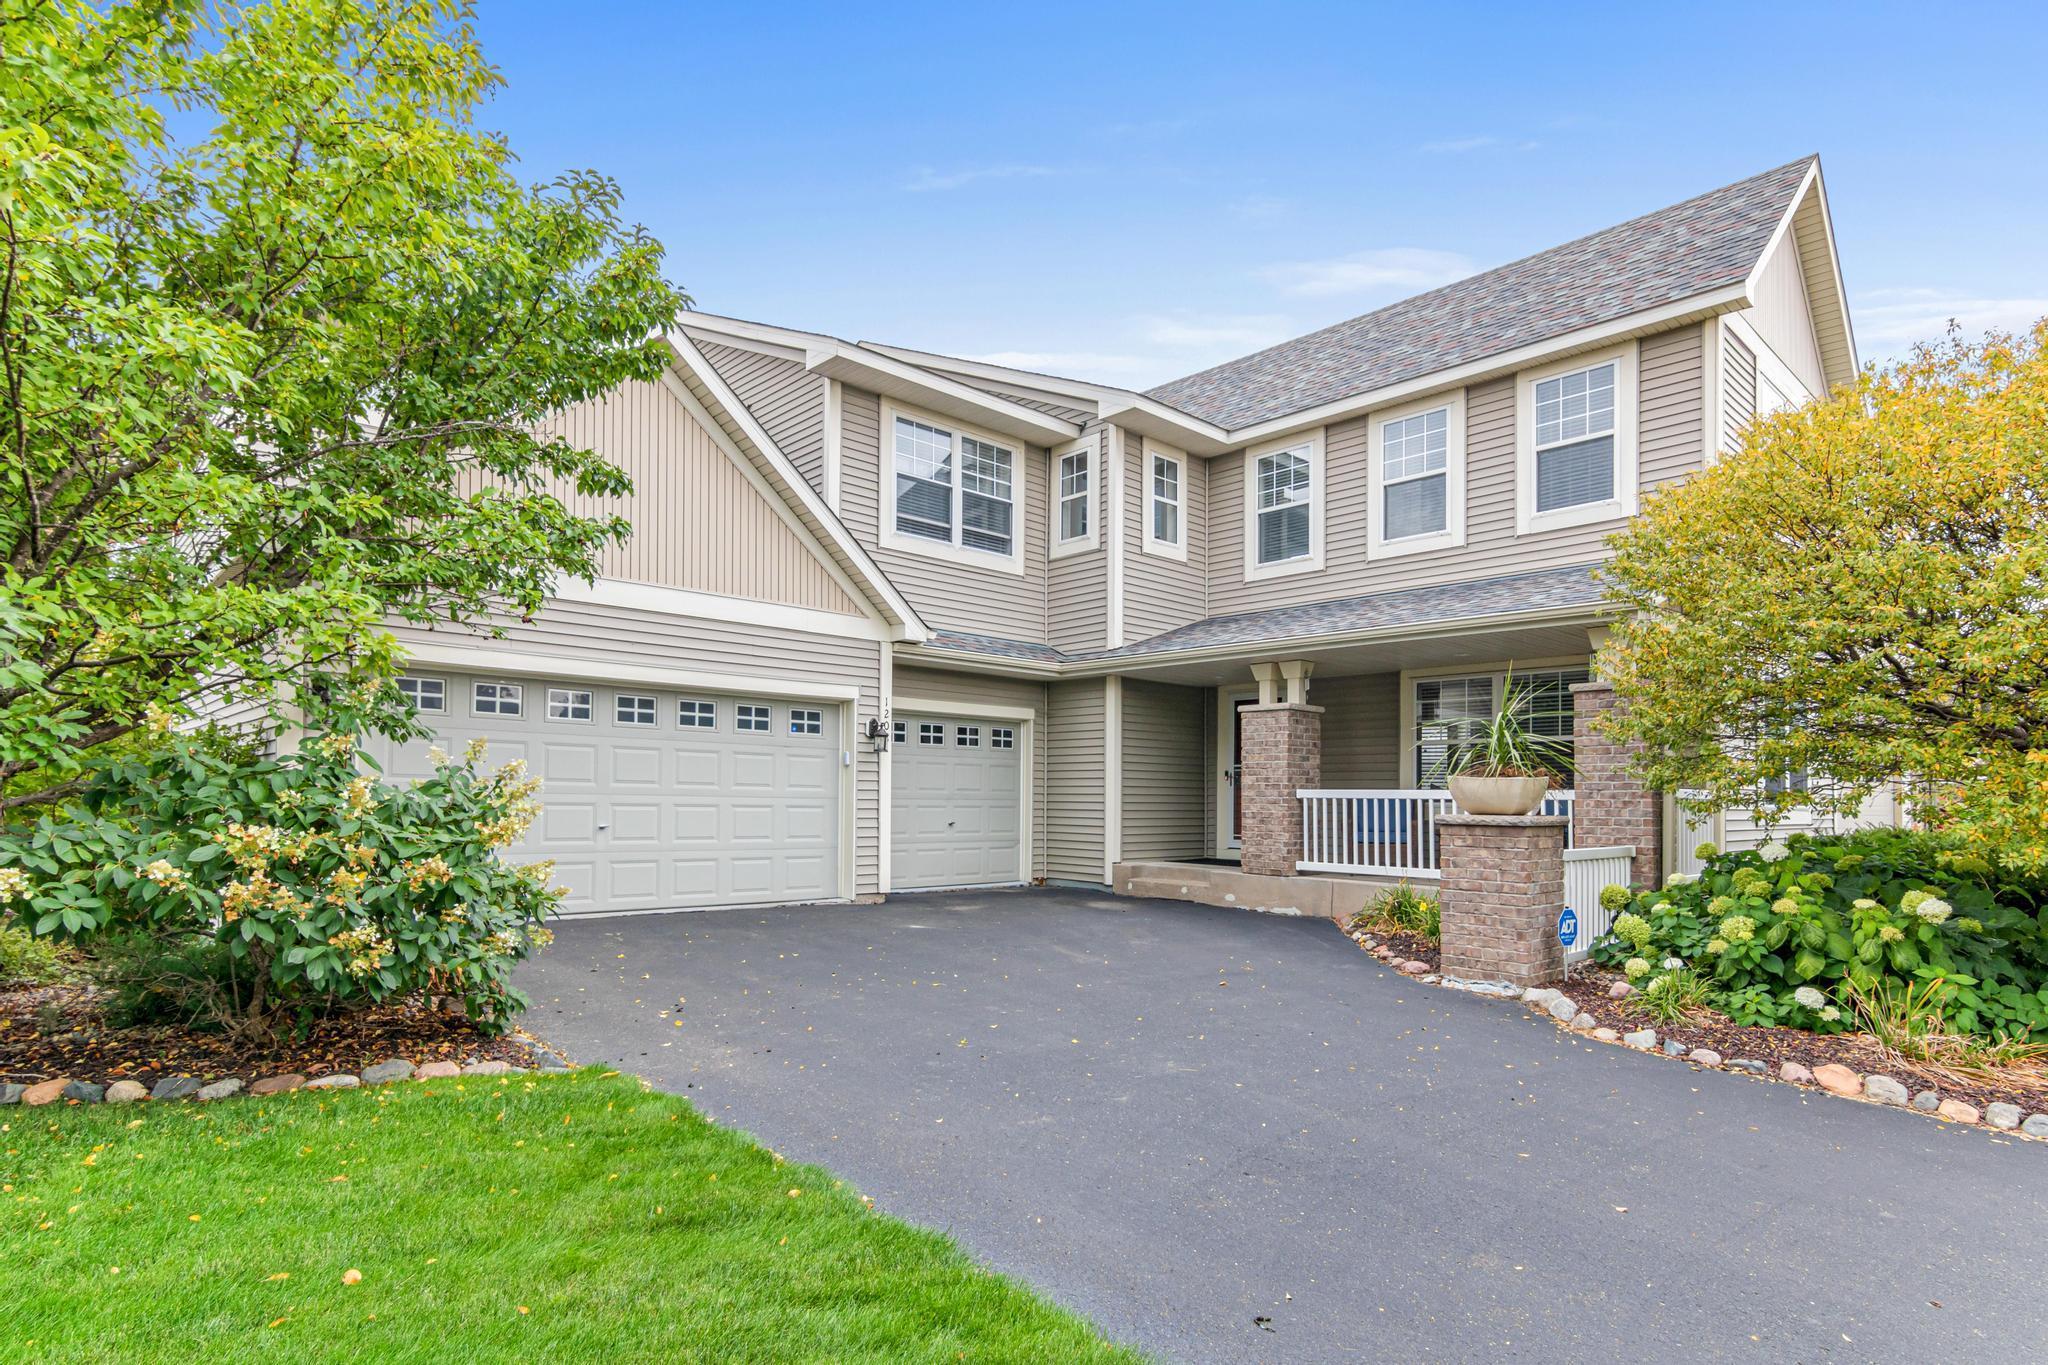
(1159, 888)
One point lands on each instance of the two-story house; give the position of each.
(894, 620)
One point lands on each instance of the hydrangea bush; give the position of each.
(320, 884)
(1789, 932)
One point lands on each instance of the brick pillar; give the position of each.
(1612, 806)
(1502, 891)
(1283, 751)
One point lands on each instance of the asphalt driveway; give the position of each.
(1226, 1136)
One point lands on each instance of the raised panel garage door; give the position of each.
(654, 799)
(956, 812)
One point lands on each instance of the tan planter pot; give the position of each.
(1498, 795)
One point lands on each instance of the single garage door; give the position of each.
(652, 798)
(955, 816)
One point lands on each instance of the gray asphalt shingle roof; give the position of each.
(1575, 585)
(1675, 253)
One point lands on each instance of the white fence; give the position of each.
(1385, 833)
(1586, 871)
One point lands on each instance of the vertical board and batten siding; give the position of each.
(936, 685)
(1782, 317)
(1738, 390)
(1670, 429)
(991, 601)
(698, 523)
(1160, 592)
(1361, 730)
(594, 635)
(1075, 764)
(1077, 585)
(785, 398)
(1163, 753)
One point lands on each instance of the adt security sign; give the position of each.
(1567, 927)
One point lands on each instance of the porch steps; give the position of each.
(1335, 898)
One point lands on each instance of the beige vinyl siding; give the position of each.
(1161, 592)
(1361, 730)
(991, 601)
(698, 523)
(1077, 585)
(596, 635)
(1781, 315)
(972, 689)
(1671, 396)
(785, 398)
(1163, 754)
(1075, 764)
(1738, 390)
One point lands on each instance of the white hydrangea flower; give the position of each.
(1680, 879)
(1934, 909)
(1657, 984)
(1672, 964)
(1810, 998)
(1772, 851)
(1830, 1013)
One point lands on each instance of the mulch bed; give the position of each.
(1588, 985)
(48, 1032)
(1411, 947)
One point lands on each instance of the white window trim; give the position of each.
(1091, 446)
(681, 724)
(1497, 670)
(1377, 546)
(952, 551)
(1627, 472)
(590, 701)
(743, 724)
(654, 724)
(1152, 545)
(440, 710)
(1312, 562)
(498, 698)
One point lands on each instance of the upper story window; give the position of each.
(1165, 503)
(1577, 456)
(955, 492)
(1073, 473)
(1284, 507)
(1417, 478)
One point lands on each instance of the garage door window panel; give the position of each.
(632, 710)
(697, 715)
(754, 720)
(565, 703)
(497, 699)
(804, 722)
(429, 696)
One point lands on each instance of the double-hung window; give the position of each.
(1577, 437)
(1165, 503)
(1418, 478)
(1283, 508)
(1073, 492)
(952, 489)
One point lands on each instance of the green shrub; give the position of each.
(28, 960)
(1786, 932)
(278, 888)
(1405, 909)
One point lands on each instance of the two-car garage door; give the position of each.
(955, 815)
(654, 798)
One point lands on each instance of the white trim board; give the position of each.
(493, 659)
(705, 606)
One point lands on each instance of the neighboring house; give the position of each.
(893, 620)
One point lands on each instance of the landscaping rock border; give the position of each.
(65, 1089)
(1831, 1078)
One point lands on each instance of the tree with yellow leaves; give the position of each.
(1859, 593)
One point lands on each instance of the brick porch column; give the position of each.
(1283, 751)
(1612, 805)
(1502, 891)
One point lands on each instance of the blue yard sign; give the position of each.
(1568, 927)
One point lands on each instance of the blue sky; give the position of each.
(1128, 193)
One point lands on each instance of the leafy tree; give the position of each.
(277, 327)
(1859, 594)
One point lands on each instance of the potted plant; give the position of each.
(1500, 765)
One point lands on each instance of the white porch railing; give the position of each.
(1586, 872)
(1385, 833)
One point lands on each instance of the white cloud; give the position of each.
(925, 179)
(1459, 145)
(1194, 333)
(1406, 268)
(1889, 321)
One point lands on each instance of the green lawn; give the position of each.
(562, 1218)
